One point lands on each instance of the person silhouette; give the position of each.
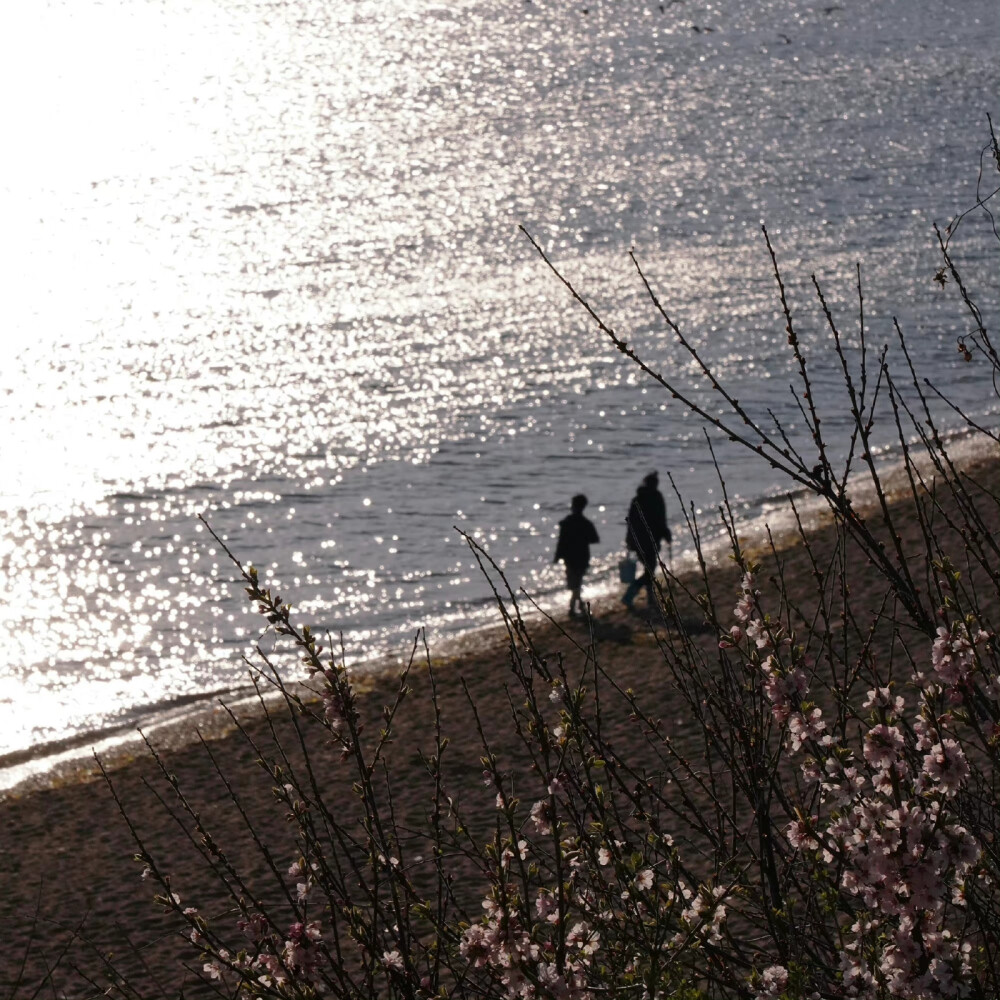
(576, 535)
(646, 527)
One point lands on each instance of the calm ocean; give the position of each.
(263, 264)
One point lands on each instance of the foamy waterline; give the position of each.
(757, 523)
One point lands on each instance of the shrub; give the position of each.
(832, 831)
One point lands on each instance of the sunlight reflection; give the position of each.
(262, 264)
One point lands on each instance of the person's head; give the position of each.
(652, 480)
(578, 503)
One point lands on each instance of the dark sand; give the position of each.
(67, 878)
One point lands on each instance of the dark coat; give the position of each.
(646, 524)
(576, 535)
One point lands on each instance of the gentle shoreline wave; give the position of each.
(182, 720)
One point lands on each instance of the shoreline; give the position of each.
(59, 762)
(67, 857)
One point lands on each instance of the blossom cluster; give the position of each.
(555, 932)
(953, 656)
(524, 965)
(882, 832)
(584, 888)
(270, 960)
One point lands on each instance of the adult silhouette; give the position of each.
(646, 528)
(576, 535)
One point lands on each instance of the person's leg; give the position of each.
(574, 580)
(642, 581)
(650, 563)
(633, 588)
(647, 582)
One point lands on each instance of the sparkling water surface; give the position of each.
(263, 264)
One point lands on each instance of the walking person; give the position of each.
(646, 528)
(576, 535)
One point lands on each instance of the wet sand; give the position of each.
(69, 886)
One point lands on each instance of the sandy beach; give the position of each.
(71, 894)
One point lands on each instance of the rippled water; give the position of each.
(263, 263)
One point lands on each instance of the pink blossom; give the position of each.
(213, 970)
(255, 927)
(734, 637)
(744, 608)
(757, 633)
(882, 697)
(550, 977)
(882, 781)
(946, 766)
(927, 734)
(953, 653)
(706, 913)
(783, 690)
(393, 961)
(272, 965)
(883, 745)
(583, 938)
(805, 726)
(546, 908)
(799, 836)
(474, 945)
(541, 816)
(773, 981)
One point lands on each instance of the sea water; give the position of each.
(263, 265)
